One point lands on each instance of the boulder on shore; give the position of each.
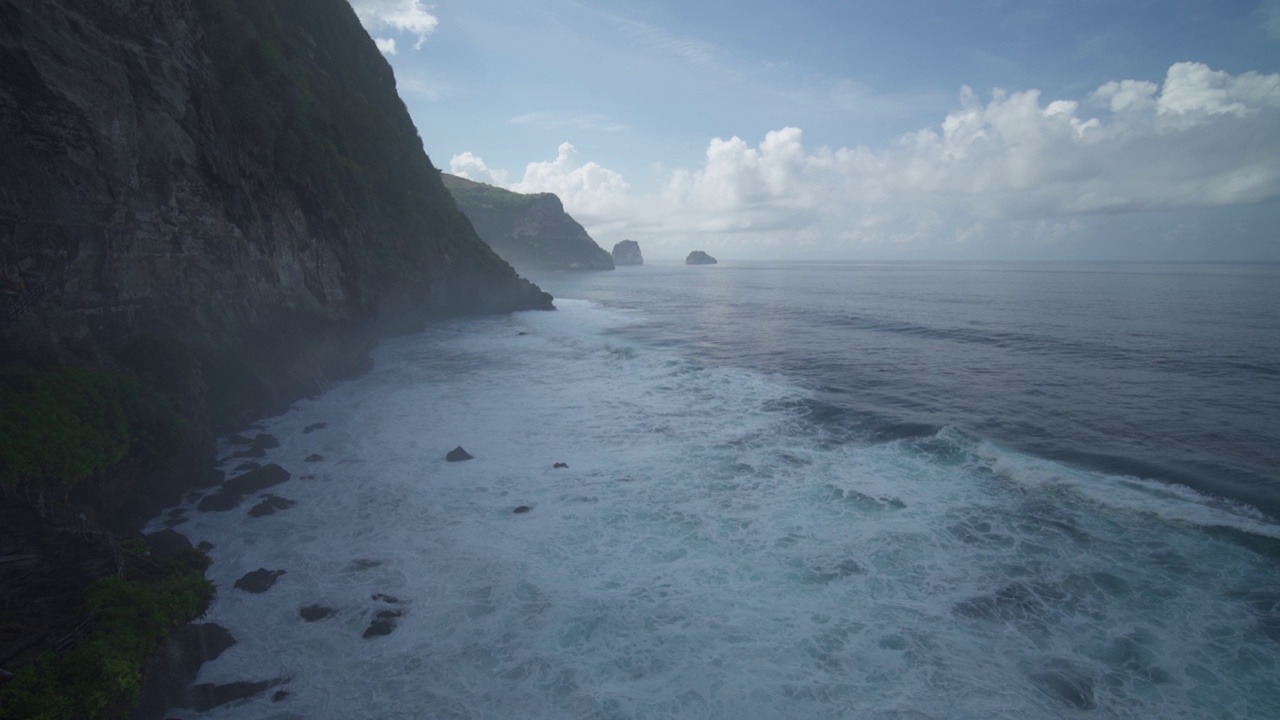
(627, 252)
(458, 455)
(258, 581)
(697, 257)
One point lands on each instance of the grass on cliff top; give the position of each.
(64, 425)
(469, 193)
(129, 616)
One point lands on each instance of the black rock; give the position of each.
(207, 696)
(219, 502)
(522, 333)
(312, 613)
(259, 581)
(522, 510)
(175, 521)
(383, 623)
(256, 480)
(271, 506)
(383, 597)
(247, 466)
(458, 454)
(560, 465)
(265, 442)
(363, 564)
(280, 695)
(255, 453)
(165, 543)
(307, 477)
(316, 457)
(313, 427)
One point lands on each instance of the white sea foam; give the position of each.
(710, 553)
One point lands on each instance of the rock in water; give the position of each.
(458, 455)
(259, 581)
(557, 466)
(627, 252)
(312, 613)
(522, 510)
(382, 624)
(313, 427)
(270, 506)
(697, 257)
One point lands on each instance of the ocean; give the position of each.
(792, 491)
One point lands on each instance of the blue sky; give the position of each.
(1082, 129)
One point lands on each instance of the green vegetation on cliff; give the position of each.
(64, 425)
(126, 617)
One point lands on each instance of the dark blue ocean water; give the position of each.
(891, 492)
(1168, 372)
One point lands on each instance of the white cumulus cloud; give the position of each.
(1010, 168)
(387, 46)
(409, 16)
(466, 165)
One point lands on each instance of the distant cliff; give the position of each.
(239, 176)
(532, 232)
(627, 252)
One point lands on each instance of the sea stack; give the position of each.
(697, 257)
(627, 252)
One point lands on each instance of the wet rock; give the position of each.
(315, 457)
(265, 441)
(271, 506)
(207, 696)
(259, 581)
(205, 545)
(247, 466)
(312, 613)
(280, 695)
(383, 597)
(255, 453)
(522, 510)
(193, 496)
(174, 522)
(308, 477)
(363, 564)
(382, 624)
(256, 480)
(219, 502)
(168, 674)
(313, 427)
(522, 333)
(557, 466)
(458, 454)
(165, 543)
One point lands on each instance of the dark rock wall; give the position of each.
(147, 189)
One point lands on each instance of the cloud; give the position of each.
(1012, 168)
(410, 16)
(471, 167)
(387, 46)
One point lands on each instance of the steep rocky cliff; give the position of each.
(238, 177)
(532, 232)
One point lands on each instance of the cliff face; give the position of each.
(238, 176)
(532, 232)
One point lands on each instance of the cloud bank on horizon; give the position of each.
(1012, 168)
(1179, 167)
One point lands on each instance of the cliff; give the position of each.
(532, 232)
(239, 176)
(627, 252)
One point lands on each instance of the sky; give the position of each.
(1128, 130)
